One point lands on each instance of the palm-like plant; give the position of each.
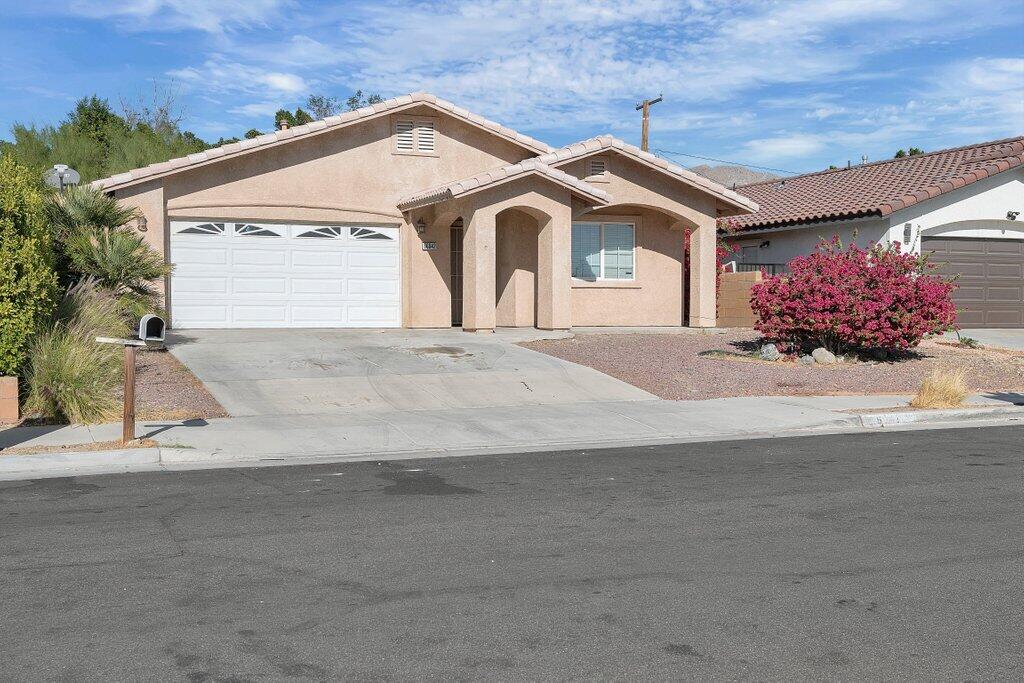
(120, 261)
(84, 208)
(94, 242)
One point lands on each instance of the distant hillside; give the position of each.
(732, 175)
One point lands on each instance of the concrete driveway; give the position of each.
(1006, 339)
(355, 372)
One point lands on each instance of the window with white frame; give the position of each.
(603, 251)
(415, 136)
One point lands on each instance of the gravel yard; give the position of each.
(668, 366)
(166, 390)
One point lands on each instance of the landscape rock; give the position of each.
(823, 356)
(806, 360)
(770, 352)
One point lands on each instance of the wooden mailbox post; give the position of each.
(151, 329)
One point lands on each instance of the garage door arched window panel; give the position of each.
(368, 234)
(328, 232)
(202, 229)
(250, 230)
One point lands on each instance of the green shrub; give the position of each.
(93, 242)
(69, 375)
(83, 207)
(27, 281)
(119, 260)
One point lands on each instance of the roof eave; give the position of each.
(744, 205)
(448, 195)
(314, 128)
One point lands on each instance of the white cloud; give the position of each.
(536, 63)
(284, 82)
(825, 112)
(218, 74)
(257, 109)
(173, 15)
(783, 147)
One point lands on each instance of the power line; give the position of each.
(724, 161)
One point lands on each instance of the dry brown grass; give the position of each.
(943, 388)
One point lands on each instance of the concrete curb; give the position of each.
(894, 419)
(71, 460)
(178, 459)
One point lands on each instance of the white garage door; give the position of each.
(238, 274)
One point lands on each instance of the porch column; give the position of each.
(703, 267)
(554, 270)
(478, 271)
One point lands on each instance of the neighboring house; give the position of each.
(963, 206)
(417, 213)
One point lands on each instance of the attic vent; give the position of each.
(597, 167)
(425, 136)
(405, 136)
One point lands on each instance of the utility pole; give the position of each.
(645, 106)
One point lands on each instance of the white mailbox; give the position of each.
(151, 328)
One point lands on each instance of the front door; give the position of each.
(456, 285)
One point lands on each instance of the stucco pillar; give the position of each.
(703, 266)
(554, 273)
(478, 271)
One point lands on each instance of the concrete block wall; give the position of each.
(734, 299)
(8, 399)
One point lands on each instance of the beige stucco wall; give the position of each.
(655, 296)
(672, 207)
(516, 273)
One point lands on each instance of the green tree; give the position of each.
(95, 119)
(357, 100)
(97, 142)
(252, 133)
(27, 282)
(283, 115)
(322, 106)
(298, 118)
(913, 151)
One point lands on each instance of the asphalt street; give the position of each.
(882, 556)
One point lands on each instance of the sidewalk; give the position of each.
(264, 440)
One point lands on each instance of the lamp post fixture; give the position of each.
(62, 175)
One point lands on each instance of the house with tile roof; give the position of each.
(415, 212)
(962, 206)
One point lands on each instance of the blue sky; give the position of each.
(790, 85)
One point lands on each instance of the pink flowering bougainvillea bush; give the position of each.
(854, 300)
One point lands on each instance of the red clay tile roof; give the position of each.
(876, 189)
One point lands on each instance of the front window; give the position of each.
(603, 251)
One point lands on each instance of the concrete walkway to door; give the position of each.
(355, 372)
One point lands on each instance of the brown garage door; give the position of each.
(990, 290)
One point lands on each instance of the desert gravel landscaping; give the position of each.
(668, 366)
(166, 390)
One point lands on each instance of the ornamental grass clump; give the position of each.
(854, 300)
(944, 388)
(69, 376)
